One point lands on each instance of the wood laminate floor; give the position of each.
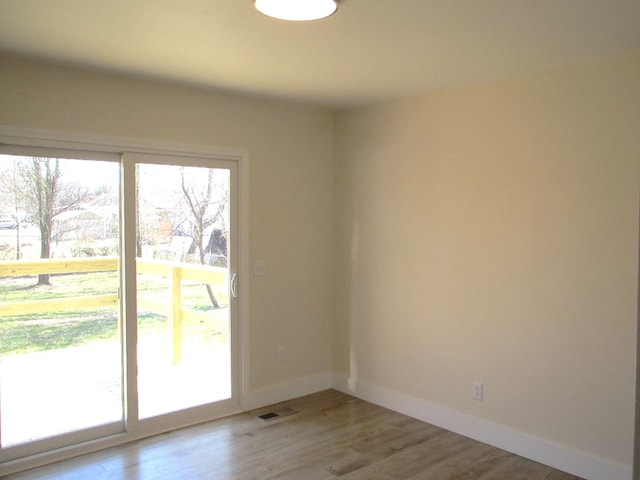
(331, 436)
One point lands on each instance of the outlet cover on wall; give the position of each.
(477, 391)
(282, 354)
(260, 268)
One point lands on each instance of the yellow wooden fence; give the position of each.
(172, 309)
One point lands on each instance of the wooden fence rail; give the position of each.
(173, 309)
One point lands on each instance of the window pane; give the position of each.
(182, 296)
(60, 353)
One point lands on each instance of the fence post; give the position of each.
(176, 313)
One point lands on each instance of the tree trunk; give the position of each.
(18, 252)
(45, 250)
(198, 243)
(212, 297)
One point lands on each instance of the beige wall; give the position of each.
(491, 234)
(290, 150)
(484, 234)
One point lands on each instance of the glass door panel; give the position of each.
(60, 349)
(183, 330)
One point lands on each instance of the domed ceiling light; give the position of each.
(297, 10)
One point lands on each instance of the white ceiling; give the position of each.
(369, 51)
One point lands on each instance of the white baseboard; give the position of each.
(288, 390)
(543, 451)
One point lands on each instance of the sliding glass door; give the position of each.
(117, 296)
(60, 349)
(183, 240)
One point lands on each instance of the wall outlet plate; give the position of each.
(282, 354)
(260, 268)
(477, 391)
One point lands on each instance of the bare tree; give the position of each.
(205, 210)
(46, 196)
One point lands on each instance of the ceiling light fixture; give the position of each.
(297, 10)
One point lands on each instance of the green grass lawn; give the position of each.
(53, 330)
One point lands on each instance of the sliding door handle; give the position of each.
(234, 285)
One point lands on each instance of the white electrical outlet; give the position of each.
(260, 268)
(282, 355)
(477, 391)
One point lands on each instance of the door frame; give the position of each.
(34, 138)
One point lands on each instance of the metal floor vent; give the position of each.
(277, 414)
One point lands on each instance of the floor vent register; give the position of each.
(277, 414)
